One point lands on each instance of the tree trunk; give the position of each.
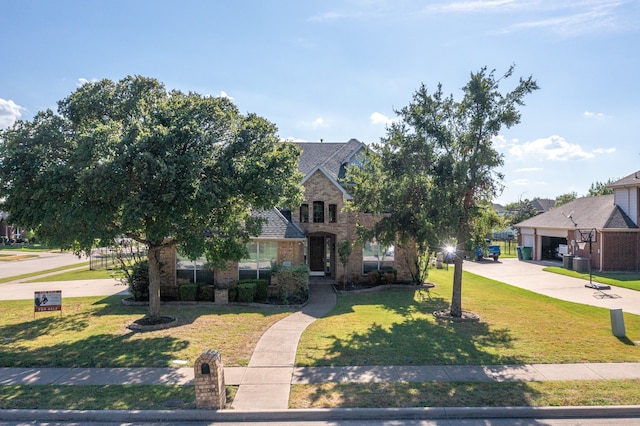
(456, 297)
(154, 282)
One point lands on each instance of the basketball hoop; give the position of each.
(584, 236)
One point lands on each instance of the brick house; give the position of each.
(308, 234)
(615, 219)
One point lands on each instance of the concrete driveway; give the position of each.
(530, 275)
(21, 290)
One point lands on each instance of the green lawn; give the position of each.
(91, 332)
(455, 394)
(396, 327)
(628, 280)
(392, 327)
(46, 271)
(82, 274)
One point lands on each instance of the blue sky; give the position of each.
(336, 70)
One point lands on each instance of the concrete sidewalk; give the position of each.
(246, 377)
(266, 382)
(530, 276)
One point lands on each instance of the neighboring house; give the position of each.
(310, 233)
(614, 218)
(542, 205)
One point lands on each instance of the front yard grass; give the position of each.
(81, 274)
(91, 332)
(456, 394)
(396, 327)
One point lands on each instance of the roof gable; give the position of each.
(276, 226)
(331, 179)
(633, 180)
(588, 212)
(330, 155)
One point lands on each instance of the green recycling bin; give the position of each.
(527, 253)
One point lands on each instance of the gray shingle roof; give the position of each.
(277, 227)
(633, 180)
(330, 155)
(588, 212)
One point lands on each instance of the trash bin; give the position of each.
(519, 250)
(567, 261)
(527, 253)
(581, 264)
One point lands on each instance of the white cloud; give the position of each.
(553, 148)
(604, 151)
(319, 122)
(529, 169)
(378, 118)
(82, 81)
(224, 94)
(593, 114)
(520, 182)
(574, 18)
(9, 113)
(470, 6)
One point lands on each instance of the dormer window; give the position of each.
(318, 212)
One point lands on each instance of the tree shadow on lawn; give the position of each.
(419, 339)
(185, 313)
(101, 350)
(415, 337)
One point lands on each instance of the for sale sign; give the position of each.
(47, 301)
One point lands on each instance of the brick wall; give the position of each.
(620, 251)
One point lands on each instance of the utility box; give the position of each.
(209, 381)
(567, 261)
(581, 264)
(617, 322)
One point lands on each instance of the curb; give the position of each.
(427, 413)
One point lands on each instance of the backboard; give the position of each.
(583, 235)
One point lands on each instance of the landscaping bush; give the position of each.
(373, 277)
(262, 290)
(290, 284)
(205, 292)
(233, 293)
(188, 292)
(138, 281)
(246, 292)
(390, 276)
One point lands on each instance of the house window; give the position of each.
(333, 213)
(193, 271)
(304, 213)
(318, 212)
(377, 257)
(262, 254)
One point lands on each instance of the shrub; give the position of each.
(188, 292)
(246, 292)
(390, 276)
(138, 281)
(205, 292)
(373, 277)
(291, 284)
(262, 290)
(233, 293)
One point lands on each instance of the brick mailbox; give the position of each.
(209, 381)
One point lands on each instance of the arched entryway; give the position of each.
(322, 249)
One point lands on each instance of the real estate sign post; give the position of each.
(44, 301)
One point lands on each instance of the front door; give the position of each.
(320, 256)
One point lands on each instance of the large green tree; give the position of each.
(437, 166)
(131, 159)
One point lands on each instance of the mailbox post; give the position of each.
(209, 381)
